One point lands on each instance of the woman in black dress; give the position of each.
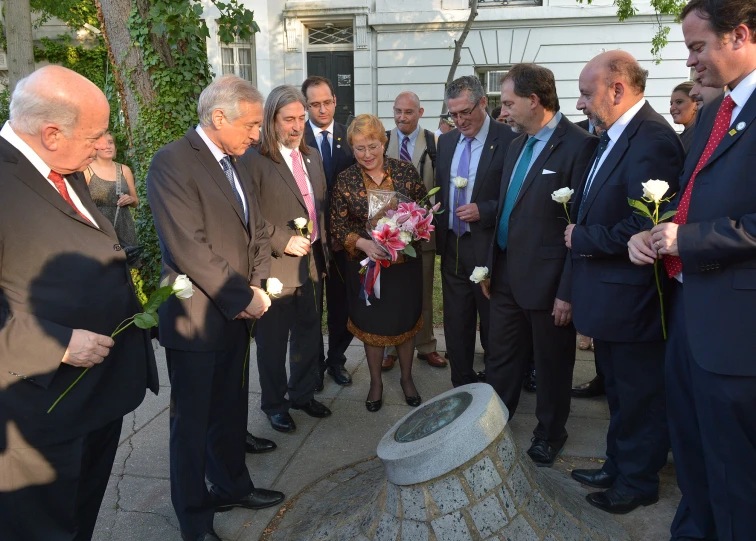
(395, 318)
(683, 110)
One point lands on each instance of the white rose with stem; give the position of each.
(653, 193)
(479, 274)
(300, 224)
(563, 196)
(459, 183)
(273, 288)
(181, 287)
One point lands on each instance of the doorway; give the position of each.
(337, 67)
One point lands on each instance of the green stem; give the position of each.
(120, 330)
(66, 391)
(246, 355)
(567, 213)
(661, 298)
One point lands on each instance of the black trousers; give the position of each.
(712, 424)
(208, 429)
(637, 441)
(292, 320)
(53, 493)
(518, 336)
(339, 336)
(464, 303)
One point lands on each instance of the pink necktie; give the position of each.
(301, 178)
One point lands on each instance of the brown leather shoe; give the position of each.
(388, 362)
(584, 342)
(433, 358)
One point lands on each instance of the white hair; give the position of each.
(30, 110)
(227, 94)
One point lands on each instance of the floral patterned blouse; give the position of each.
(349, 203)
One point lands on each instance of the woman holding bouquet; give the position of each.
(395, 317)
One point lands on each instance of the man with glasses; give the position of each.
(474, 151)
(326, 135)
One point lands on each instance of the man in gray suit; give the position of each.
(411, 143)
(64, 288)
(211, 229)
(290, 182)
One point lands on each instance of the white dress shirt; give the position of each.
(410, 144)
(9, 135)
(218, 154)
(476, 149)
(286, 153)
(319, 137)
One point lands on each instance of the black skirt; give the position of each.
(397, 315)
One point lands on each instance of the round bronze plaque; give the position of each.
(433, 417)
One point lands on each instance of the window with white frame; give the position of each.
(239, 58)
(489, 78)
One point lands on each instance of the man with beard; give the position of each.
(709, 251)
(211, 229)
(614, 301)
(468, 172)
(290, 184)
(328, 137)
(531, 274)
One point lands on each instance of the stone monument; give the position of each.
(451, 472)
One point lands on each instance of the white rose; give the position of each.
(391, 222)
(182, 287)
(460, 182)
(274, 286)
(300, 223)
(479, 274)
(562, 195)
(655, 190)
(405, 237)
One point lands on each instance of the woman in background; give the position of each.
(683, 110)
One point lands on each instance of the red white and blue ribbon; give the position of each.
(371, 279)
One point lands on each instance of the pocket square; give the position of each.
(548, 172)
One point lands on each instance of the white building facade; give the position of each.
(373, 49)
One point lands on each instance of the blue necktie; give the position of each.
(228, 169)
(460, 227)
(603, 144)
(404, 155)
(325, 152)
(514, 189)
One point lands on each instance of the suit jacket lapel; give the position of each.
(215, 170)
(747, 116)
(419, 149)
(79, 185)
(392, 150)
(486, 155)
(288, 177)
(446, 148)
(554, 141)
(514, 151)
(309, 137)
(317, 179)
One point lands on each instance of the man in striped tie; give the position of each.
(709, 251)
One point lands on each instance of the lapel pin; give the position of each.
(338, 138)
(308, 160)
(732, 132)
(740, 126)
(491, 147)
(338, 146)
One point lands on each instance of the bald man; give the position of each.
(64, 288)
(613, 300)
(411, 143)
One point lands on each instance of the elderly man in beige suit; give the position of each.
(411, 143)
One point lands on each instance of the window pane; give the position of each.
(227, 60)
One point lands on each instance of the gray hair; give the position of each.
(30, 110)
(279, 97)
(227, 94)
(469, 83)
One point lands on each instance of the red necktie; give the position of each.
(301, 178)
(60, 184)
(673, 264)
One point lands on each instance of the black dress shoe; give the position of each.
(618, 503)
(374, 405)
(529, 384)
(320, 385)
(413, 401)
(481, 375)
(282, 422)
(594, 478)
(595, 387)
(207, 536)
(313, 408)
(340, 375)
(259, 498)
(543, 454)
(258, 445)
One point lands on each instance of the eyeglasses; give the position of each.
(318, 104)
(467, 113)
(363, 150)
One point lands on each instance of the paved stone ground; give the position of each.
(137, 503)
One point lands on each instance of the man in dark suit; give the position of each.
(64, 288)
(613, 300)
(709, 251)
(329, 138)
(420, 150)
(475, 152)
(531, 280)
(211, 229)
(290, 184)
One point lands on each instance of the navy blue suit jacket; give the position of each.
(612, 299)
(718, 247)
